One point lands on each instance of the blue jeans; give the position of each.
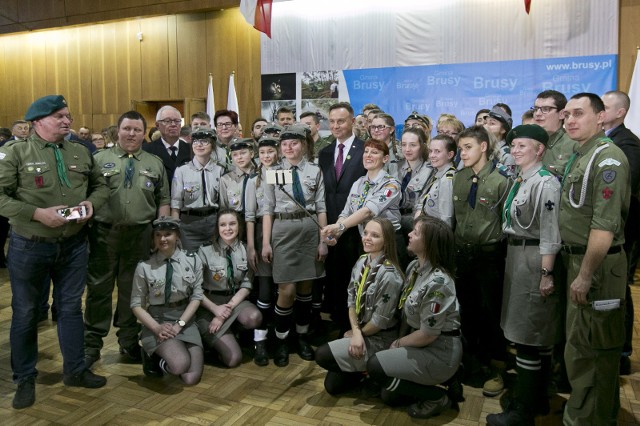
(31, 264)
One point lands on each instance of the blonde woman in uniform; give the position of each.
(374, 290)
(291, 240)
(531, 306)
(167, 290)
(227, 283)
(437, 197)
(194, 191)
(254, 212)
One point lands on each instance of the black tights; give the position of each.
(182, 359)
(336, 381)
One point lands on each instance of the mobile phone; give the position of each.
(73, 213)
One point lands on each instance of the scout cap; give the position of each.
(500, 115)
(421, 118)
(295, 131)
(166, 223)
(269, 140)
(272, 129)
(204, 133)
(45, 106)
(529, 131)
(238, 144)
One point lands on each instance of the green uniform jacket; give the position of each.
(483, 224)
(606, 190)
(29, 180)
(149, 190)
(559, 148)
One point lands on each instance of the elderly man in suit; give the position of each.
(341, 164)
(616, 105)
(173, 151)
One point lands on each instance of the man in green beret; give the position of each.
(121, 235)
(42, 179)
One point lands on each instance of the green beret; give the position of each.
(45, 106)
(529, 131)
(238, 144)
(166, 223)
(295, 131)
(204, 133)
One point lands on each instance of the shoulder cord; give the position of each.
(535, 209)
(585, 181)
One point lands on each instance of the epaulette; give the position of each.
(364, 255)
(544, 172)
(450, 173)
(506, 149)
(388, 264)
(12, 142)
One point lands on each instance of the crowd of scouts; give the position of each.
(433, 252)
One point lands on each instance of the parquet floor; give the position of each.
(248, 395)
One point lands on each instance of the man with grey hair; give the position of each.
(172, 151)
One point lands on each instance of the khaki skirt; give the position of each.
(295, 250)
(204, 317)
(164, 314)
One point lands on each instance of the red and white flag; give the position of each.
(632, 120)
(232, 98)
(258, 14)
(211, 104)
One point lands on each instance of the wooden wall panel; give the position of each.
(102, 68)
(629, 41)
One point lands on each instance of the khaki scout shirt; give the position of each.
(29, 180)
(310, 175)
(149, 190)
(232, 189)
(482, 225)
(606, 193)
(559, 148)
(214, 259)
(187, 186)
(417, 184)
(437, 198)
(150, 277)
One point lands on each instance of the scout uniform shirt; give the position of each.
(150, 278)
(505, 160)
(133, 203)
(232, 189)
(416, 185)
(382, 197)
(29, 180)
(595, 192)
(312, 184)
(217, 267)
(431, 305)
(254, 201)
(437, 198)
(559, 148)
(482, 224)
(395, 157)
(189, 182)
(533, 213)
(378, 292)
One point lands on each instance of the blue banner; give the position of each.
(463, 89)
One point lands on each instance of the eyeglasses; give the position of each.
(202, 142)
(577, 114)
(168, 121)
(224, 125)
(543, 109)
(97, 139)
(451, 134)
(379, 128)
(415, 126)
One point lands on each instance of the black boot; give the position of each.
(304, 348)
(517, 416)
(281, 356)
(261, 357)
(150, 365)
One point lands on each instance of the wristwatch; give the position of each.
(181, 323)
(341, 227)
(546, 273)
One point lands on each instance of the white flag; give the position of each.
(632, 121)
(232, 99)
(211, 104)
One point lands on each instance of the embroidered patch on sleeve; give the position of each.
(609, 162)
(607, 193)
(608, 176)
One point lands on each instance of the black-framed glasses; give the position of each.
(203, 142)
(379, 127)
(224, 125)
(168, 121)
(543, 109)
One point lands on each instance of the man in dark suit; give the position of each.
(173, 151)
(616, 105)
(344, 156)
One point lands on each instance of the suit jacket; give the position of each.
(629, 143)
(157, 148)
(337, 191)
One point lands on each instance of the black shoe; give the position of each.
(625, 365)
(133, 352)
(516, 416)
(304, 348)
(426, 409)
(261, 357)
(150, 366)
(26, 394)
(85, 379)
(281, 356)
(90, 359)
